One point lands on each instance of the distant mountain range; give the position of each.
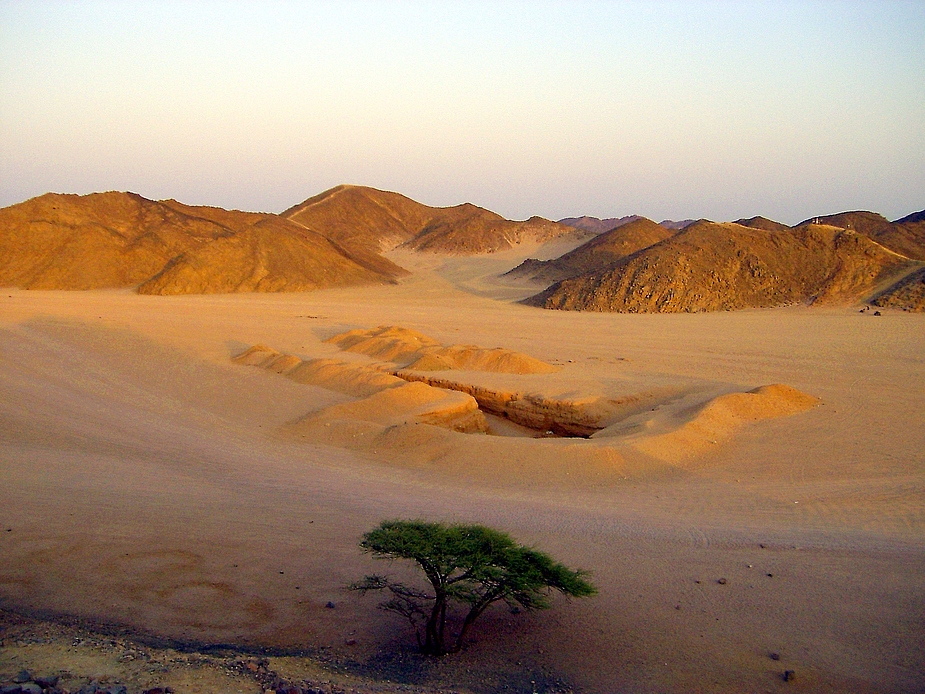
(106, 240)
(337, 238)
(599, 226)
(756, 262)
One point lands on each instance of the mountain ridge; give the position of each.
(709, 267)
(383, 220)
(336, 238)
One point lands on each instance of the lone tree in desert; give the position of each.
(470, 565)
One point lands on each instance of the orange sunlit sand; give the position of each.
(153, 477)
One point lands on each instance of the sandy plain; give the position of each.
(149, 481)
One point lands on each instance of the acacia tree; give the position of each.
(470, 565)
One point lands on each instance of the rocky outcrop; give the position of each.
(543, 414)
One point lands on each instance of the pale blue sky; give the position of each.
(666, 109)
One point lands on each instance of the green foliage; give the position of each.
(466, 564)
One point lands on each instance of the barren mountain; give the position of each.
(709, 267)
(910, 218)
(596, 225)
(114, 239)
(678, 224)
(600, 253)
(762, 223)
(867, 223)
(94, 241)
(271, 255)
(367, 221)
(905, 236)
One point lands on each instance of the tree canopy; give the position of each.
(470, 565)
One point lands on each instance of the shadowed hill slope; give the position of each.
(108, 240)
(907, 294)
(600, 253)
(911, 218)
(367, 221)
(710, 267)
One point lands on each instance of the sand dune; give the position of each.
(410, 403)
(688, 419)
(717, 420)
(418, 352)
(348, 378)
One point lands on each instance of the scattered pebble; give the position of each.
(775, 656)
(789, 675)
(722, 581)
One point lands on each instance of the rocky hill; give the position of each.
(336, 238)
(905, 236)
(271, 255)
(710, 267)
(908, 294)
(94, 241)
(596, 225)
(600, 253)
(678, 224)
(762, 223)
(367, 221)
(912, 218)
(107, 240)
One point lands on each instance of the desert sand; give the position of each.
(771, 500)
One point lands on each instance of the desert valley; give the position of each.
(203, 410)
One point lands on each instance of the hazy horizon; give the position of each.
(664, 109)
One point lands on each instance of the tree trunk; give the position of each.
(433, 631)
(471, 617)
